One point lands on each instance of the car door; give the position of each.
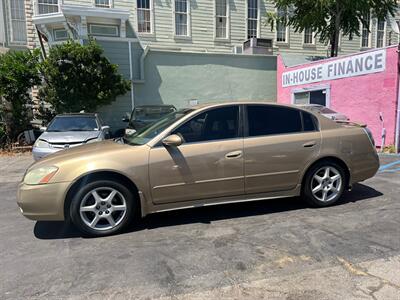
(279, 142)
(208, 164)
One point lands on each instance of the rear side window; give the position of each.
(269, 120)
(309, 121)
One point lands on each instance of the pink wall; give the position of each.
(361, 98)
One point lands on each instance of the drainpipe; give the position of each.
(397, 137)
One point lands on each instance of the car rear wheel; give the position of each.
(324, 184)
(102, 208)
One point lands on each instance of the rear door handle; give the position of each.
(309, 144)
(234, 154)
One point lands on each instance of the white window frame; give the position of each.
(55, 35)
(384, 34)
(320, 87)
(312, 39)
(2, 25)
(104, 25)
(11, 38)
(49, 5)
(227, 22)
(369, 34)
(258, 19)
(110, 4)
(286, 42)
(151, 10)
(188, 19)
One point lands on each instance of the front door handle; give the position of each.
(309, 144)
(234, 154)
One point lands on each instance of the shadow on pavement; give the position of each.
(61, 230)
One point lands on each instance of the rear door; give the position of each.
(279, 142)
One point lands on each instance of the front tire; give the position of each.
(102, 207)
(324, 184)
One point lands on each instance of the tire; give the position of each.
(102, 208)
(321, 187)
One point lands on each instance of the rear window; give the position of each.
(310, 122)
(269, 120)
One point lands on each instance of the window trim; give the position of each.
(151, 10)
(287, 33)
(111, 4)
(384, 34)
(188, 19)
(258, 20)
(10, 20)
(313, 42)
(326, 87)
(103, 25)
(369, 34)
(228, 22)
(55, 36)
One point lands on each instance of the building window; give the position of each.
(181, 17)
(103, 30)
(309, 37)
(144, 16)
(281, 28)
(221, 19)
(380, 34)
(60, 34)
(103, 3)
(18, 21)
(252, 18)
(47, 6)
(366, 33)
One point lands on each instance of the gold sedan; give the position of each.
(207, 155)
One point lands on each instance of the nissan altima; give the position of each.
(206, 155)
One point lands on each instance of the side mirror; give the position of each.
(125, 119)
(105, 128)
(129, 131)
(173, 140)
(43, 129)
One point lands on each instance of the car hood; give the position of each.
(69, 136)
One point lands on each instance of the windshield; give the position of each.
(148, 114)
(147, 133)
(60, 124)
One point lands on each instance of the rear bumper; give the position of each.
(365, 167)
(43, 202)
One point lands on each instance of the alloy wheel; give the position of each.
(326, 184)
(103, 208)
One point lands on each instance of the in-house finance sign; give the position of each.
(361, 64)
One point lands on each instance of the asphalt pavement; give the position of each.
(276, 249)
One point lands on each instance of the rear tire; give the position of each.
(102, 207)
(324, 184)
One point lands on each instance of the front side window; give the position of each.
(181, 17)
(308, 36)
(221, 19)
(215, 124)
(103, 3)
(252, 18)
(380, 33)
(144, 16)
(281, 28)
(62, 124)
(270, 120)
(18, 21)
(47, 6)
(365, 32)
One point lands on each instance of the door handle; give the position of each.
(309, 144)
(233, 154)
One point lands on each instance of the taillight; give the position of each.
(370, 136)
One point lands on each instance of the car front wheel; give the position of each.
(102, 208)
(324, 184)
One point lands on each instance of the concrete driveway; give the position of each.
(278, 249)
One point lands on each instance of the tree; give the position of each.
(329, 18)
(78, 77)
(19, 72)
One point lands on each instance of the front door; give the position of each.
(279, 143)
(208, 164)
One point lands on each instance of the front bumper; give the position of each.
(44, 202)
(39, 153)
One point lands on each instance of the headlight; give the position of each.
(40, 175)
(41, 144)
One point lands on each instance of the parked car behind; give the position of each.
(325, 111)
(68, 131)
(193, 157)
(144, 115)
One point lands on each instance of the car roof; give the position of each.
(209, 105)
(77, 115)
